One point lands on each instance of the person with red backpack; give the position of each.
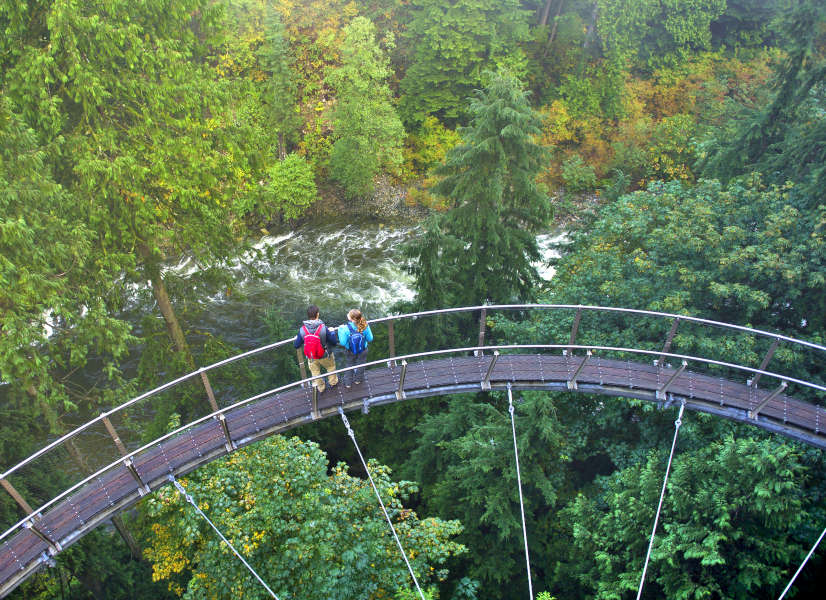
(318, 341)
(354, 335)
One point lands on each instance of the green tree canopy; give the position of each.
(450, 45)
(369, 131)
(653, 29)
(727, 527)
(57, 298)
(308, 531)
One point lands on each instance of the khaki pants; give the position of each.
(329, 364)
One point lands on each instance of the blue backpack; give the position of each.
(357, 343)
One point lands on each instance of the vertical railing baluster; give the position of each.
(574, 329)
(299, 353)
(668, 339)
(16, 495)
(391, 342)
(210, 394)
(753, 381)
(482, 325)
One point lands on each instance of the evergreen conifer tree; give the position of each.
(785, 140)
(487, 239)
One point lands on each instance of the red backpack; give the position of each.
(313, 347)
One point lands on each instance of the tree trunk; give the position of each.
(162, 297)
(552, 35)
(591, 26)
(282, 151)
(127, 536)
(543, 20)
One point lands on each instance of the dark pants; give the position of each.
(357, 374)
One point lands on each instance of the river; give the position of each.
(332, 263)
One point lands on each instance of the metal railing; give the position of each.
(126, 457)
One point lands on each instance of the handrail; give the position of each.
(549, 307)
(429, 353)
(414, 315)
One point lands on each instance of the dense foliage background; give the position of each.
(682, 146)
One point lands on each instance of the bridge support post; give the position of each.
(486, 380)
(54, 545)
(753, 381)
(210, 394)
(572, 381)
(16, 495)
(229, 444)
(400, 391)
(114, 434)
(660, 394)
(753, 413)
(143, 489)
(314, 409)
(302, 369)
(668, 339)
(574, 329)
(482, 324)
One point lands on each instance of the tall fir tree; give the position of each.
(484, 247)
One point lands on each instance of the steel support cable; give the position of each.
(677, 424)
(189, 499)
(803, 564)
(381, 503)
(521, 501)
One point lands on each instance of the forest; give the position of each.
(679, 145)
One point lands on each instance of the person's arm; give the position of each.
(368, 334)
(332, 337)
(299, 340)
(343, 334)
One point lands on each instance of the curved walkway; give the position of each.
(62, 521)
(119, 488)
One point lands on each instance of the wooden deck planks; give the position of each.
(247, 421)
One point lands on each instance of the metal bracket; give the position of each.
(572, 381)
(314, 410)
(143, 489)
(486, 380)
(753, 413)
(365, 406)
(229, 444)
(47, 560)
(54, 546)
(400, 392)
(661, 393)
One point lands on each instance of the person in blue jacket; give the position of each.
(354, 336)
(318, 341)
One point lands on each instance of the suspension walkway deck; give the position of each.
(121, 487)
